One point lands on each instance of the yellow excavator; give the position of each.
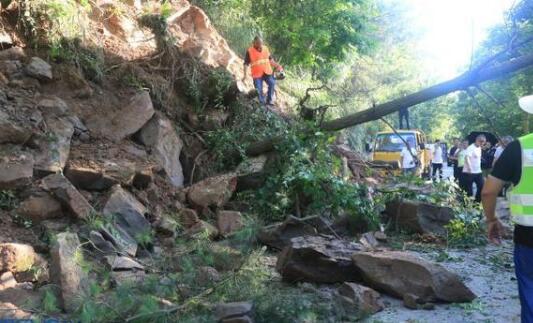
(388, 145)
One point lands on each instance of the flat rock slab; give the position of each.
(420, 217)
(68, 195)
(127, 212)
(160, 136)
(39, 69)
(123, 263)
(66, 272)
(125, 120)
(318, 259)
(399, 273)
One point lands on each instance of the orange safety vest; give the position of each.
(260, 62)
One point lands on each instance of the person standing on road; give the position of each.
(472, 168)
(461, 154)
(515, 165)
(453, 156)
(261, 62)
(407, 161)
(404, 114)
(437, 160)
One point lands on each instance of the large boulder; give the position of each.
(68, 195)
(125, 120)
(39, 69)
(420, 217)
(127, 212)
(214, 191)
(318, 259)
(54, 146)
(16, 167)
(16, 257)
(66, 272)
(399, 273)
(159, 135)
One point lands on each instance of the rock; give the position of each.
(16, 257)
(7, 280)
(251, 173)
(166, 226)
(318, 259)
(66, 272)
(207, 275)
(229, 222)
(420, 217)
(364, 299)
(159, 134)
(125, 120)
(278, 236)
(55, 147)
(215, 119)
(92, 179)
(40, 206)
(120, 239)
(214, 191)
(39, 273)
(202, 228)
(12, 131)
(123, 263)
(232, 310)
(369, 241)
(428, 306)
(11, 54)
(5, 40)
(100, 244)
(127, 212)
(68, 195)
(226, 258)
(16, 168)
(143, 179)
(52, 106)
(188, 218)
(128, 277)
(39, 69)
(9, 311)
(380, 236)
(398, 273)
(10, 68)
(410, 301)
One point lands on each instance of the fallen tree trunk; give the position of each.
(376, 112)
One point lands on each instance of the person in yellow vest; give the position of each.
(260, 60)
(515, 165)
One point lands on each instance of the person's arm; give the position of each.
(489, 197)
(245, 66)
(466, 165)
(275, 64)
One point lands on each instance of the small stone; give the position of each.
(364, 299)
(202, 228)
(123, 263)
(7, 280)
(380, 236)
(189, 218)
(39, 69)
(128, 277)
(207, 275)
(40, 206)
(229, 222)
(240, 319)
(16, 257)
(53, 106)
(229, 310)
(369, 241)
(214, 191)
(428, 306)
(13, 53)
(410, 301)
(100, 244)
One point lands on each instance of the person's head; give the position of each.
(437, 141)
(488, 145)
(506, 140)
(464, 144)
(258, 43)
(480, 140)
(456, 142)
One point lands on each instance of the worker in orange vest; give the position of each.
(261, 62)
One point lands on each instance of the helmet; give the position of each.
(279, 75)
(526, 103)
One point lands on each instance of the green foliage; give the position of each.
(8, 200)
(50, 303)
(466, 230)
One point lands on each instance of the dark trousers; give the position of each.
(404, 114)
(523, 259)
(470, 180)
(258, 84)
(437, 168)
(457, 172)
(461, 178)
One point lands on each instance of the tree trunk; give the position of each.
(374, 113)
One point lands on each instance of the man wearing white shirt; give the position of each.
(437, 160)
(472, 167)
(407, 161)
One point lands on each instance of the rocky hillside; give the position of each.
(119, 178)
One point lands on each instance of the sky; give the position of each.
(449, 28)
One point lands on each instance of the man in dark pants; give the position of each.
(261, 62)
(452, 159)
(515, 165)
(404, 114)
(437, 160)
(472, 167)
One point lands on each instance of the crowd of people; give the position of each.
(472, 163)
